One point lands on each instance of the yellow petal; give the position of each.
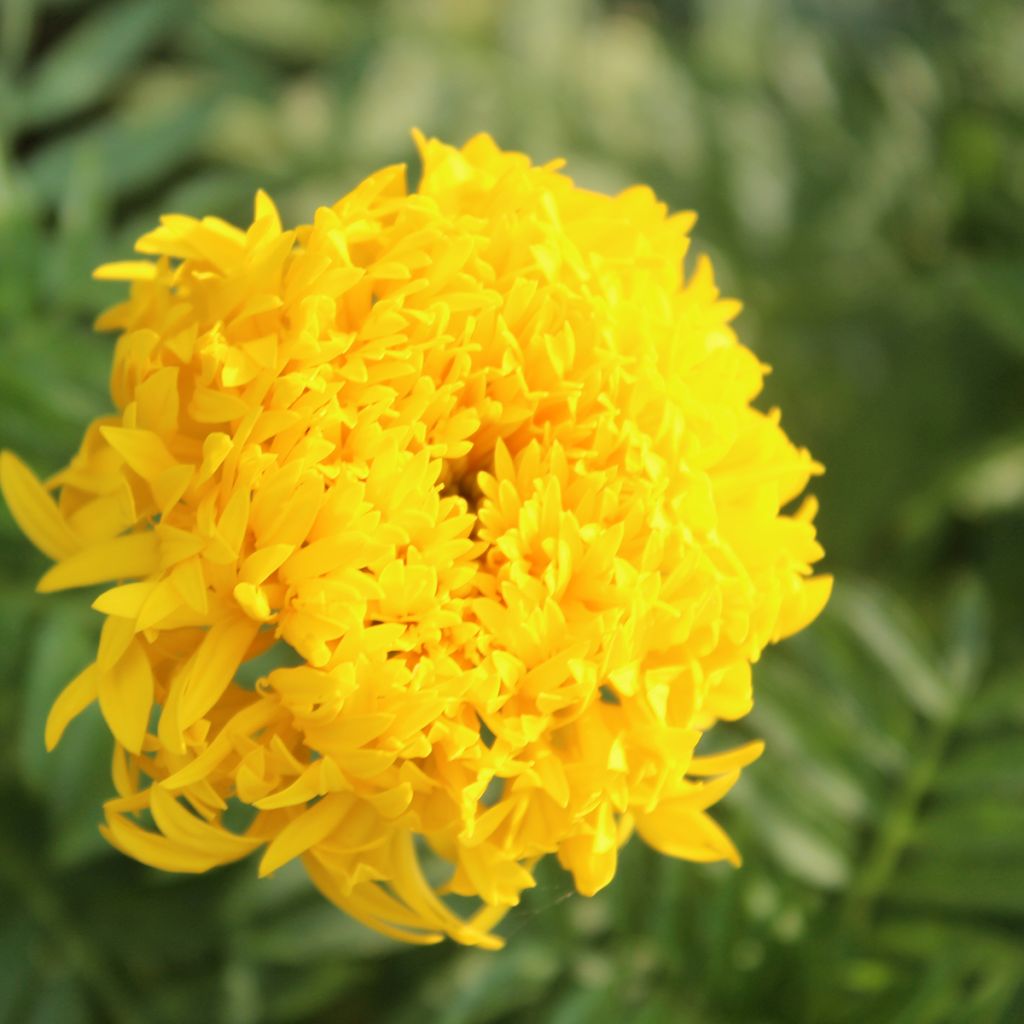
(265, 208)
(247, 721)
(262, 562)
(392, 802)
(73, 700)
(591, 869)
(33, 509)
(253, 601)
(410, 886)
(216, 449)
(126, 697)
(155, 850)
(211, 406)
(105, 516)
(161, 601)
(144, 451)
(319, 778)
(727, 761)
(170, 485)
(132, 555)
(169, 730)
(804, 607)
(115, 638)
(214, 666)
(309, 828)
(690, 835)
(125, 601)
(189, 583)
(177, 545)
(126, 270)
(184, 828)
(370, 905)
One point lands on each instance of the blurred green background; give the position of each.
(858, 166)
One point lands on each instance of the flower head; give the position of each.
(484, 465)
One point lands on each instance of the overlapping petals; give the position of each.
(470, 480)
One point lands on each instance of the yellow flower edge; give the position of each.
(487, 463)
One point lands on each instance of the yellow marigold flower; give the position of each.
(485, 461)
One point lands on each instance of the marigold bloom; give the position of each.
(487, 464)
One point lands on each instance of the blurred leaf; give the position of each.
(585, 1006)
(978, 826)
(16, 977)
(964, 884)
(887, 632)
(295, 28)
(308, 931)
(84, 66)
(1000, 703)
(77, 783)
(993, 288)
(990, 482)
(990, 767)
(62, 645)
(478, 988)
(969, 626)
(806, 853)
(60, 1000)
(134, 150)
(291, 996)
(15, 27)
(997, 997)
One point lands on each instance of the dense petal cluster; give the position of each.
(476, 469)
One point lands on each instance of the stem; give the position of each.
(897, 827)
(893, 836)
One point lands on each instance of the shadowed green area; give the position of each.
(858, 166)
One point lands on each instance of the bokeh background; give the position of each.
(858, 166)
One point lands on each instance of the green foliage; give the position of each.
(858, 172)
